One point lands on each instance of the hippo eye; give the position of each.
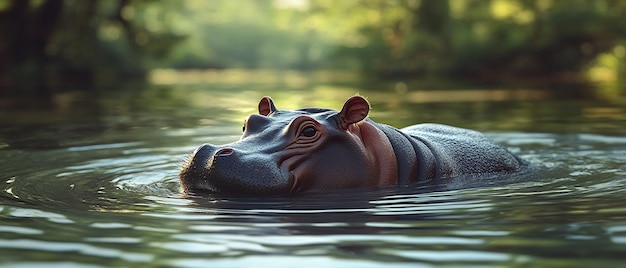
(308, 132)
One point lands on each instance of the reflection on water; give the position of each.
(101, 189)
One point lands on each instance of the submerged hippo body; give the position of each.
(315, 149)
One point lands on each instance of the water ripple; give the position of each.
(86, 249)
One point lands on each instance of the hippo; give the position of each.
(317, 149)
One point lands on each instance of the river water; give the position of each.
(90, 180)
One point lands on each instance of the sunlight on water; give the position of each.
(109, 195)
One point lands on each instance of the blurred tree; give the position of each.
(66, 42)
(82, 43)
(251, 34)
(25, 33)
(476, 38)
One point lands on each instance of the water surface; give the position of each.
(92, 182)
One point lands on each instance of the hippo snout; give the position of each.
(202, 155)
(227, 169)
(196, 168)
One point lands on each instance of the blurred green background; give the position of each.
(48, 45)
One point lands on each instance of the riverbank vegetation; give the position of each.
(83, 44)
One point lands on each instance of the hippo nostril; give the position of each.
(224, 152)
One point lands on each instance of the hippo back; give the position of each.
(441, 151)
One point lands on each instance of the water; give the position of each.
(92, 182)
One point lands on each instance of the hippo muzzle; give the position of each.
(231, 170)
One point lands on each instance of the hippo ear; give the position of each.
(354, 110)
(266, 106)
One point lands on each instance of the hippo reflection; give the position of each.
(309, 149)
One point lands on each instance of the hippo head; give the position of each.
(284, 151)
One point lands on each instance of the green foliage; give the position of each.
(59, 42)
(56, 41)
